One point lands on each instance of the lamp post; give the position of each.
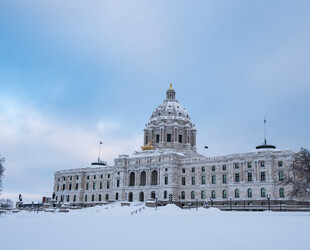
(179, 201)
(189, 204)
(211, 204)
(230, 203)
(156, 200)
(196, 203)
(243, 204)
(268, 197)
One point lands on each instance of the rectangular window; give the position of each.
(213, 179)
(76, 186)
(180, 138)
(183, 170)
(168, 137)
(262, 176)
(213, 168)
(58, 179)
(109, 175)
(280, 163)
(108, 185)
(70, 178)
(77, 178)
(203, 169)
(95, 177)
(101, 176)
(183, 181)
(70, 186)
(237, 177)
(193, 170)
(262, 164)
(193, 180)
(87, 186)
(281, 177)
(100, 185)
(94, 185)
(224, 178)
(249, 164)
(87, 177)
(224, 167)
(250, 177)
(166, 180)
(63, 187)
(117, 183)
(236, 165)
(157, 138)
(203, 180)
(57, 187)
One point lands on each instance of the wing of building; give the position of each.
(168, 166)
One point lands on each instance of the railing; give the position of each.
(138, 210)
(138, 204)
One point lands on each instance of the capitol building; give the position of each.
(169, 169)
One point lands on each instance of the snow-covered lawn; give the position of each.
(112, 227)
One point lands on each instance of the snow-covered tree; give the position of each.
(299, 176)
(1, 171)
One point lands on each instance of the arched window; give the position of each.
(106, 197)
(141, 196)
(154, 177)
(132, 178)
(68, 198)
(213, 195)
(183, 195)
(237, 195)
(143, 178)
(86, 197)
(224, 193)
(193, 195)
(153, 194)
(130, 197)
(99, 197)
(74, 197)
(263, 192)
(116, 196)
(249, 193)
(56, 198)
(281, 192)
(165, 195)
(93, 197)
(203, 194)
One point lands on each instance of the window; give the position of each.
(183, 195)
(116, 196)
(263, 193)
(85, 197)
(224, 167)
(57, 187)
(94, 185)
(213, 195)
(68, 198)
(262, 164)
(70, 186)
(180, 138)
(58, 179)
(280, 163)
(95, 177)
(117, 183)
(192, 195)
(213, 168)
(165, 195)
(154, 177)
(168, 137)
(108, 185)
(74, 197)
(203, 180)
(281, 192)
(166, 180)
(203, 169)
(193, 180)
(87, 186)
(143, 178)
(166, 169)
(87, 177)
(236, 165)
(64, 178)
(193, 170)
(63, 186)
(250, 177)
(237, 195)
(249, 193)
(109, 175)
(183, 170)
(249, 164)
(70, 178)
(100, 185)
(77, 178)
(281, 177)
(99, 197)
(262, 176)
(224, 194)
(183, 181)
(157, 138)
(237, 177)
(213, 179)
(203, 194)
(224, 178)
(101, 176)
(93, 197)
(106, 197)
(76, 186)
(132, 178)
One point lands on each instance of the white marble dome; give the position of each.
(170, 110)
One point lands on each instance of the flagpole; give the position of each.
(265, 130)
(99, 152)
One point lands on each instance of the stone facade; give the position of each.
(174, 169)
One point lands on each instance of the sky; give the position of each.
(73, 73)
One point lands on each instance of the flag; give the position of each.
(101, 143)
(206, 146)
(264, 120)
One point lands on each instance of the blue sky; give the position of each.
(76, 72)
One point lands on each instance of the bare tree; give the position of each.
(299, 175)
(1, 171)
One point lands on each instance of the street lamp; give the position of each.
(189, 204)
(211, 203)
(196, 203)
(268, 197)
(230, 203)
(156, 200)
(179, 201)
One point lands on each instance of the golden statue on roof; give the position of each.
(147, 146)
(170, 85)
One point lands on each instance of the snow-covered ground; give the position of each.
(113, 227)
